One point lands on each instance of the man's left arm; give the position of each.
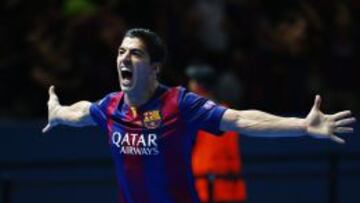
(261, 124)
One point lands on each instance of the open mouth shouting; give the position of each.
(126, 74)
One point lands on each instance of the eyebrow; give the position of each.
(133, 50)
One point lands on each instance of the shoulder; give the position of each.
(166, 92)
(111, 99)
(110, 96)
(174, 94)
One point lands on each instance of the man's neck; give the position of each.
(138, 98)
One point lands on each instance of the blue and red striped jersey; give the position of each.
(152, 144)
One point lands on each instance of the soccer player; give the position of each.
(151, 127)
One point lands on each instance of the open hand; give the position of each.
(322, 125)
(53, 106)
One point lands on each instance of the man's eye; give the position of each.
(137, 54)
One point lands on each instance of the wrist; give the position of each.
(301, 126)
(56, 117)
(304, 126)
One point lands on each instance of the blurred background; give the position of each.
(268, 55)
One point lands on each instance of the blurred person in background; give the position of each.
(151, 127)
(215, 157)
(286, 57)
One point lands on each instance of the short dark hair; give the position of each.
(154, 44)
(203, 74)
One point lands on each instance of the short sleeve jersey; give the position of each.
(152, 145)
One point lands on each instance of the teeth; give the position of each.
(125, 69)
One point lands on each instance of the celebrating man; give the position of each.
(151, 127)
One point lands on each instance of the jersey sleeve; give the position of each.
(98, 111)
(201, 113)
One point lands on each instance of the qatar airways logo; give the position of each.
(136, 144)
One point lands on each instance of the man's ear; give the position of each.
(156, 67)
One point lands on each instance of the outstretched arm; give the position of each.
(316, 124)
(77, 114)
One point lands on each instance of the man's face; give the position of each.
(134, 66)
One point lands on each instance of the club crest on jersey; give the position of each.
(152, 119)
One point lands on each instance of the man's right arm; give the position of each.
(77, 114)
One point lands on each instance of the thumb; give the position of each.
(317, 102)
(52, 90)
(46, 128)
(52, 95)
